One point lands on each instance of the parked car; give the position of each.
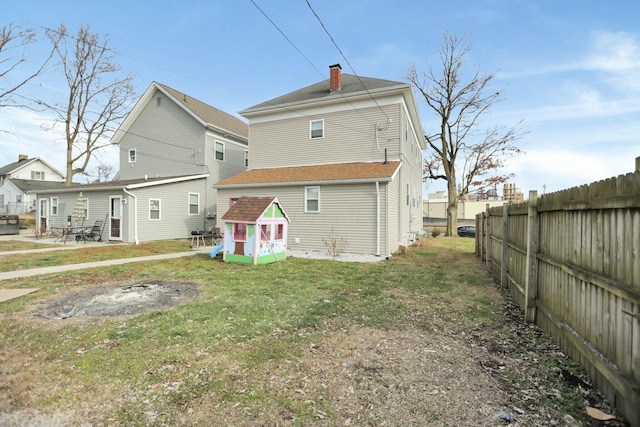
(467, 231)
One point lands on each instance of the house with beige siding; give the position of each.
(173, 147)
(344, 156)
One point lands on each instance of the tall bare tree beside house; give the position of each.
(16, 59)
(463, 153)
(94, 107)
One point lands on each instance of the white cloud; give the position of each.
(34, 134)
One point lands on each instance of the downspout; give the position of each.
(377, 218)
(135, 215)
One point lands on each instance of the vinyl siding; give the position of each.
(98, 208)
(349, 136)
(346, 211)
(174, 221)
(172, 143)
(25, 172)
(393, 200)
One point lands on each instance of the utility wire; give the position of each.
(345, 58)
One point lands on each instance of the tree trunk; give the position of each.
(452, 210)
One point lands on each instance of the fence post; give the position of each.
(531, 283)
(504, 265)
(487, 239)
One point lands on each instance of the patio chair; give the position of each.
(216, 236)
(95, 231)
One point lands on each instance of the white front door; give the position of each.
(43, 223)
(115, 217)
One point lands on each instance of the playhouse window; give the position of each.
(279, 232)
(266, 232)
(240, 232)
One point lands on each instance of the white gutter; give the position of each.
(135, 215)
(377, 218)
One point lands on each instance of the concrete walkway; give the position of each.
(7, 275)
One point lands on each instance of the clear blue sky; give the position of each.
(569, 69)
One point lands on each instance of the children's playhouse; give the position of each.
(255, 231)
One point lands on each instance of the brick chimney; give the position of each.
(335, 78)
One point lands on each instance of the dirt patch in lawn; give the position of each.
(122, 300)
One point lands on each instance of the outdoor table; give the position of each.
(68, 231)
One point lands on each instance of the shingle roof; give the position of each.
(248, 209)
(34, 185)
(331, 172)
(209, 114)
(351, 84)
(12, 166)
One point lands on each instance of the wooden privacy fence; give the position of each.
(571, 260)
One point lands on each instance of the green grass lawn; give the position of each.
(217, 357)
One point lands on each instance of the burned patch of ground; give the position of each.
(122, 300)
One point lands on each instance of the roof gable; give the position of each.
(16, 166)
(251, 209)
(205, 114)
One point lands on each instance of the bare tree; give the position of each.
(462, 153)
(93, 108)
(14, 60)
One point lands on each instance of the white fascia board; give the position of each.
(134, 113)
(221, 134)
(318, 109)
(166, 181)
(305, 183)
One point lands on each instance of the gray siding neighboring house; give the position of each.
(353, 142)
(172, 148)
(20, 182)
(133, 211)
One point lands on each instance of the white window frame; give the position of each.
(308, 199)
(312, 129)
(54, 206)
(85, 207)
(133, 155)
(37, 175)
(216, 151)
(159, 101)
(159, 210)
(197, 204)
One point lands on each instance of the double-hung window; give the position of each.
(54, 206)
(219, 151)
(194, 203)
(312, 199)
(132, 155)
(154, 209)
(316, 129)
(37, 175)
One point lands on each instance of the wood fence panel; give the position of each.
(584, 287)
